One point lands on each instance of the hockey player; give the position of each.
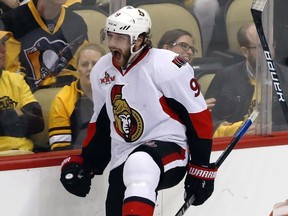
(149, 117)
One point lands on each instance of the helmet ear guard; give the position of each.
(129, 21)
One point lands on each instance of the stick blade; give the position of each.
(258, 5)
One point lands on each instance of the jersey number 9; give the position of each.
(195, 87)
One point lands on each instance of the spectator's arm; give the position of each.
(21, 123)
(11, 59)
(32, 118)
(11, 3)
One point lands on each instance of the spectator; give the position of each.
(7, 5)
(179, 41)
(182, 42)
(46, 38)
(71, 109)
(148, 106)
(20, 113)
(206, 12)
(234, 88)
(280, 30)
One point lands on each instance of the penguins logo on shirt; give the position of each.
(44, 57)
(128, 122)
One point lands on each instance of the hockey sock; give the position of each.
(135, 206)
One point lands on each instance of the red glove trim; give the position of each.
(70, 160)
(201, 172)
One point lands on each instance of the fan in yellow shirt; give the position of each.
(20, 113)
(71, 110)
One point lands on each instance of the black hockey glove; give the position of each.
(74, 177)
(199, 182)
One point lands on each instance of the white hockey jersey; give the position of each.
(156, 98)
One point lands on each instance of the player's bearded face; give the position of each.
(119, 46)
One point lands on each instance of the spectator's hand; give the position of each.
(199, 182)
(19, 112)
(225, 123)
(210, 103)
(11, 3)
(74, 177)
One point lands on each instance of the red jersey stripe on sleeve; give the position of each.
(168, 110)
(91, 131)
(199, 121)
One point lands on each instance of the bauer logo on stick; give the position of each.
(274, 76)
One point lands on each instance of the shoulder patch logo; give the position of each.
(107, 79)
(179, 61)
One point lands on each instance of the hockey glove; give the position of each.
(74, 177)
(199, 182)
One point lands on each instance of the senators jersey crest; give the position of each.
(128, 122)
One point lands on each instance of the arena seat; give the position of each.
(237, 13)
(168, 15)
(204, 80)
(45, 98)
(95, 19)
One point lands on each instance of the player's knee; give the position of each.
(141, 174)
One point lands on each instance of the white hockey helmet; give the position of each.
(130, 21)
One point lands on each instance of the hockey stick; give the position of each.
(256, 11)
(241, 131)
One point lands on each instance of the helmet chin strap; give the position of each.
(133, 54)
